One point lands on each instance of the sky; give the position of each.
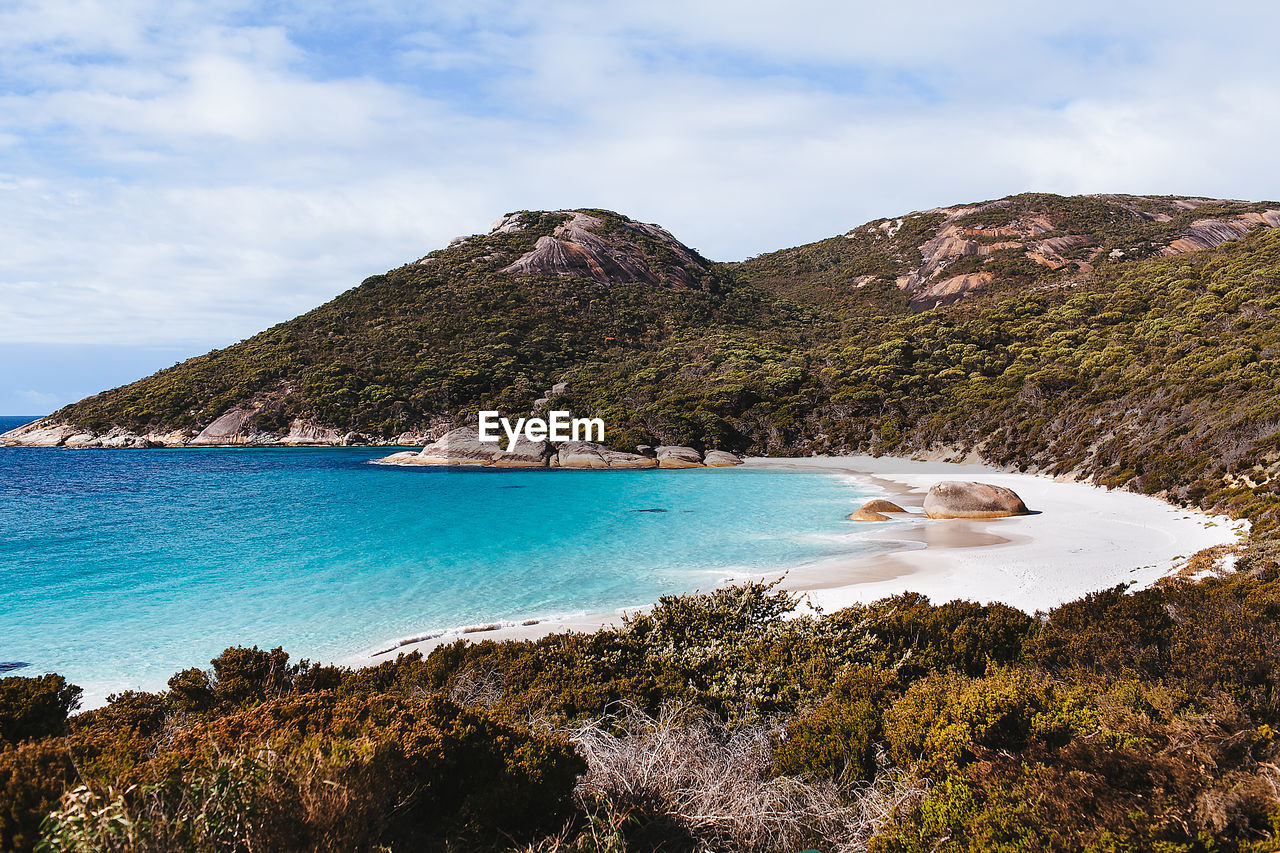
(175, 176)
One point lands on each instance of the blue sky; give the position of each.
(175, 176)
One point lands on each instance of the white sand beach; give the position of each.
(1079, 539)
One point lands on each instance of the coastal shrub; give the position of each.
(840, 738)
(245, 676)
(35, 707)
(1122, 721)
(947, 720)
(321, 771)
(33, 777)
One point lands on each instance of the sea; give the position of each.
(119, 568)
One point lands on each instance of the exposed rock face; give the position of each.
(952, 289)
(675, 456)
(576, 250)
(303, 432)
(720, 459)
(227, 428)
(930, 286)
(1207, 233)
(954, 499)
(39, 434)
(587, 454)
(1002, 227)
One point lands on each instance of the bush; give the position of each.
(35, 707)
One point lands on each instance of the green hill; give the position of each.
(1132, 340)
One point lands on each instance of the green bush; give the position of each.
(35, 707)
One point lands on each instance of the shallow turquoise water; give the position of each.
(120, 567)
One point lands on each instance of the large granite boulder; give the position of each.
(588, 454)
(954, 499)
(675, 456)
(462, 446)
(720, 459)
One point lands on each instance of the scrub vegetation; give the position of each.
(737, 720)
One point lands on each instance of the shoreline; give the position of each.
(1080, 538)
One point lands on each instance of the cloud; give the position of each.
(193, 172)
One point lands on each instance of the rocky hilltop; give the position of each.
(937, 257)
(393, 361)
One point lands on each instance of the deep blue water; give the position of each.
(120, 567)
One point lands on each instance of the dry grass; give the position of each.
(684, 774)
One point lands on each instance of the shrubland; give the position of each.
(736, 720)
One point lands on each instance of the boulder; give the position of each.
(720, 459)
(587, 454)
(525, 454)
(462, 446)
(675, 456)
(404, 457)
(882, 505)
(875, 510)
(954, 499)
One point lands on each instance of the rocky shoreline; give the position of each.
(462, 446)
(224, 432)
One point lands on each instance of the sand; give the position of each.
(1079, 539)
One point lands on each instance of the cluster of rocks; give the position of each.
(462, 446)
(952, 499)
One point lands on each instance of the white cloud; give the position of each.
(194, 172)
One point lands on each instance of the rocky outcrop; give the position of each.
(227, 428)
(675, 456)
(576, 250)
(720, 459)
(875, 510)
(587, 454)
(955, 499)
(1207, 233)
(49, 433)
(951, 262)
(952, 289)
(462, 446)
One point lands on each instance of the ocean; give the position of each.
(120, 567)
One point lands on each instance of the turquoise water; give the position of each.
(120, 567)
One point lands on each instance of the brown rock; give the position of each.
(874, 510)
(721, 459)
(953, 499)
(588, 454)
(882, 505)
(675, 456)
